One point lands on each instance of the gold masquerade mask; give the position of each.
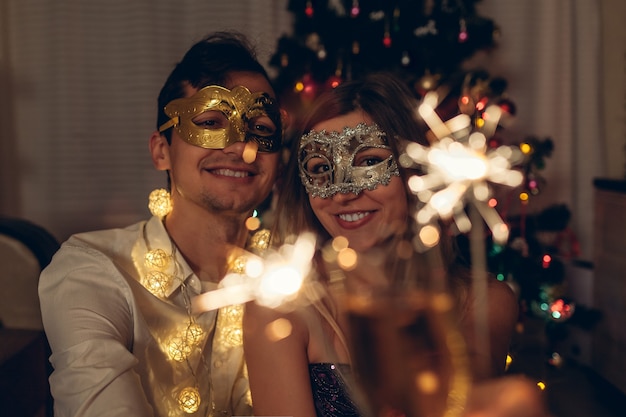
(216, 117)
(357, 159)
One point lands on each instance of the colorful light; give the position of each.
(354, 11)
(308, 9)
(387, 40)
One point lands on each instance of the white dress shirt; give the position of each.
(112, 338)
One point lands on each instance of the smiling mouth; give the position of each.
(231, 173)
(354, 217)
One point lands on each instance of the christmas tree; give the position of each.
(423, 42)
(426, 43)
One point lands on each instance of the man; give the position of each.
(116, 304)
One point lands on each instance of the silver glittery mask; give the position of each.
(347, 162)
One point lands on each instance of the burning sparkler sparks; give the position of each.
(459, 166)
(270, 280)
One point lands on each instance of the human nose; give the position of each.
(244, 150)
(342, 198)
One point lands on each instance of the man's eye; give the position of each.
(207, 124)
(262, 126)
(211, 120)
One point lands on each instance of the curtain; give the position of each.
(79, 82)
(550, 53)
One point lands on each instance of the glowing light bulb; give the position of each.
(159, 202)
(189, 400)
(178, 349)
(157, 259)
(429, 235)
(157, 282)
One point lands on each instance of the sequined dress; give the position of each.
(330, 393)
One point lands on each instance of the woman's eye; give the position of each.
(317, 166)
(368, 162)
(371, 156)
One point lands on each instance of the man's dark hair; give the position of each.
(208, 62)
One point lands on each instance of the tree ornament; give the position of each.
(463, 31)
(355, 10)
(160, 202)
(308, 8)
(396, 19)
(387, 39)
(406, 59)
(356, 48)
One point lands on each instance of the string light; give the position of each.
(189, 400)
(159, 202)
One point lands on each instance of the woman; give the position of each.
(344, 179)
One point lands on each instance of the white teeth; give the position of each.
(231, 173)
(352, 217)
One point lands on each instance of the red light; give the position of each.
(387, 41)
(546, 260)
(480, 106)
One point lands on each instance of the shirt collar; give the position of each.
(157, 237)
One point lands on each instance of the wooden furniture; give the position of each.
(609, 295)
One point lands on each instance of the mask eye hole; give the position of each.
(318, 168)
(211, 120)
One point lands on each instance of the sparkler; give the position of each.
(270, 280)
(459, 167)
